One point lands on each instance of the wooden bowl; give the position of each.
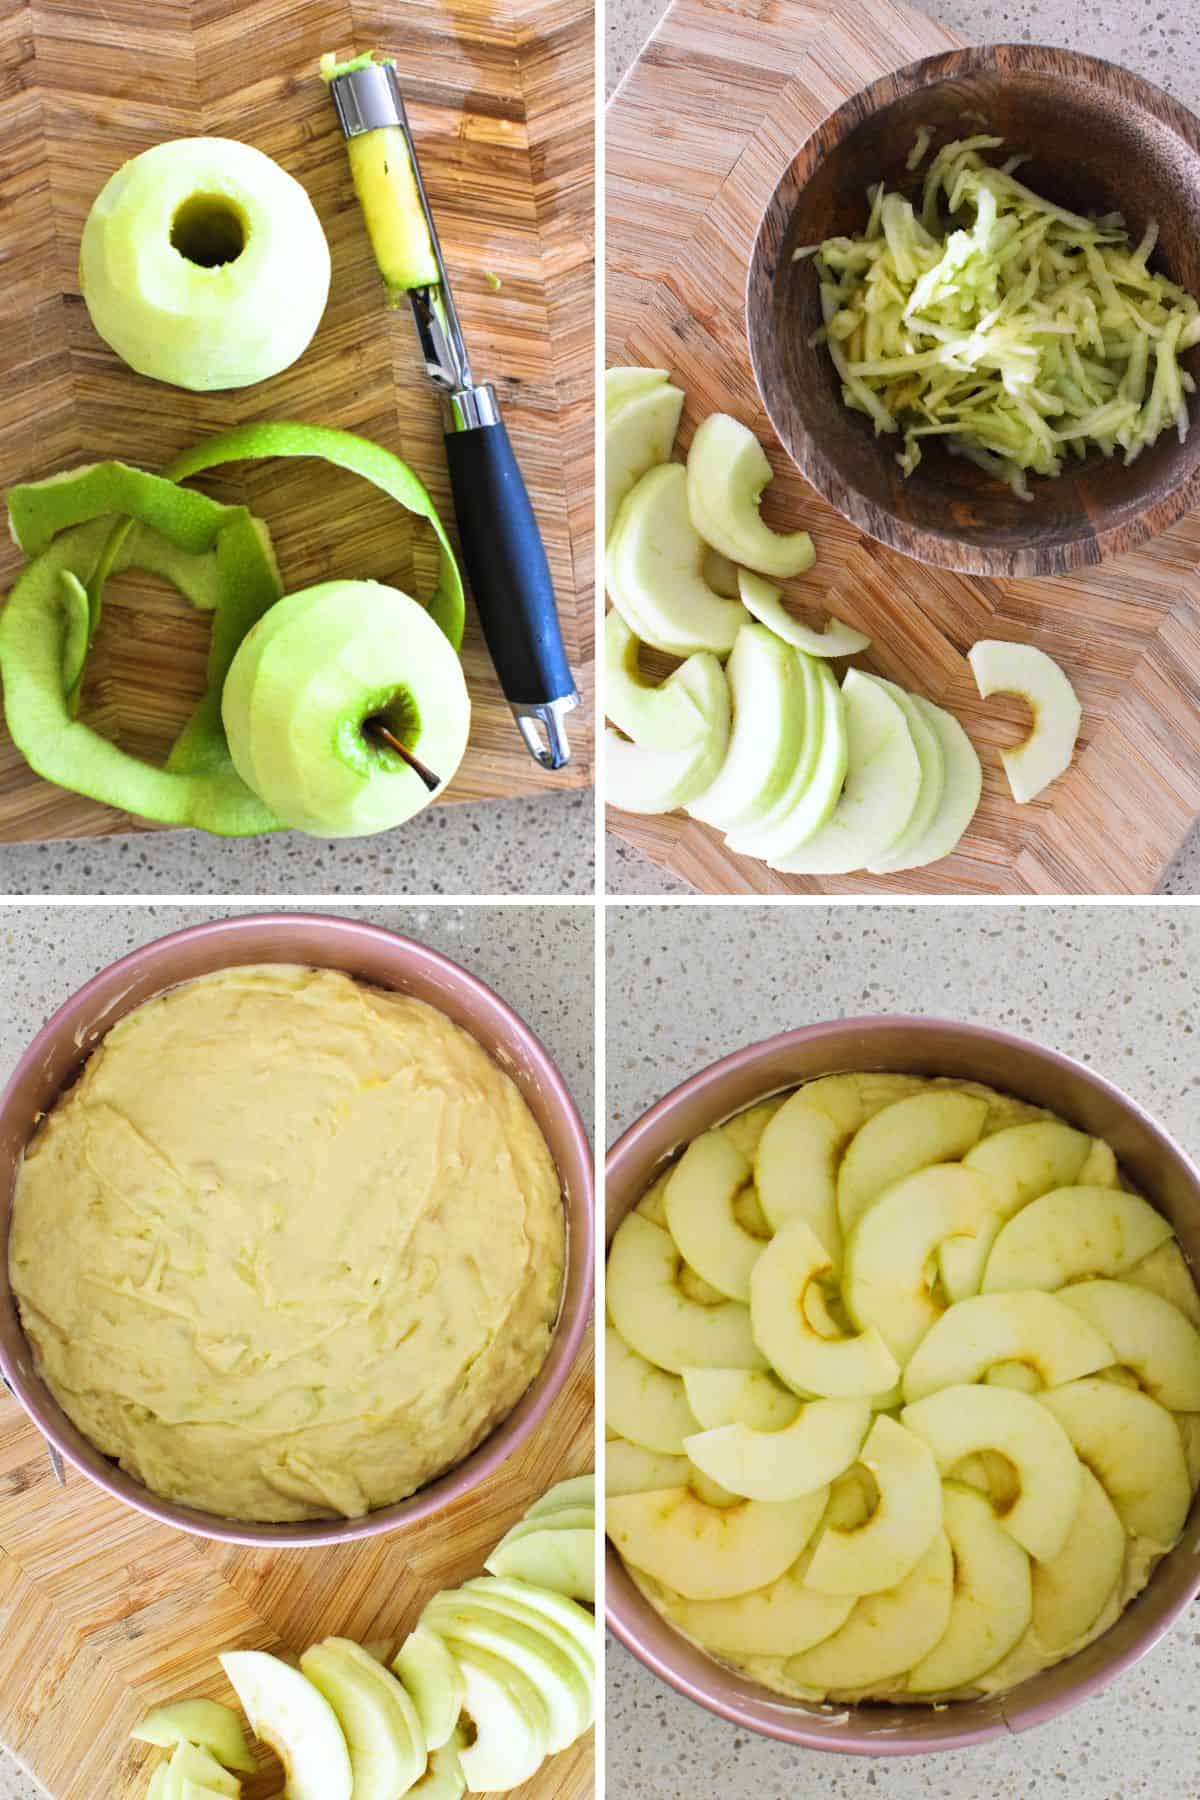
(1100, 139)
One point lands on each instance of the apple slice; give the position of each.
(795, 1171)
(290, 1714)
(767, 691)
(657, 1319)
(699, 1200)
(563, 1518)
(1100, 1167)
(766, 604)
(1074, 1587)
(883, 782)
(781, 1619)
(572, 1640)
(158, 1783)
(656, 716)
(821, 1442)
(637, 436)
(848, 1101)
(711, 1552)
(745, 1129)
(993, 1597)
(810, 797)
(885, 1280)
(726, 475)
(739, 1397)
(1003, 668)
(555, 1611)
(564, 1561)
(881, 1551)
(644, 1403)
(657, 781)
(843, 1367)
(509, 1718)
(577, 1490)
(928, 746)
(459, 1619)
(213, 1727)
(935, 1126)
(382, 1730)
(1022, 1162)
(630, 1469)
(962, 783)
(886, 1633)
(1033, 1329)
(1133, 1447)
(655, 569)
(721, 574)
(444, 1778)
(434, 1684)
(1149, 1335)
(191, 1767)
(1070, 1234)
(1165, 1272)
(958, 1422)
(624, 384)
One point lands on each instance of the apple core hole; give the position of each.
(208, 230)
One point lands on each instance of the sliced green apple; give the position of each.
(928, 745)
(699, 1200)
(563, 1561)
(819, 1444)
(1022, 1162)
(459, 1618)
(1033, 1329)
(294, 1717)
(810, 797)
(556, 1611)
(958, 1422)
(631, 1469)
(739, 1397)
(1148, 1335)
(213, 1727)
(656, 716)
(887, 1632)
(1073, 1588)
(656, 781)
(622, 384)
(382, 1730)
(509, 1720)
(644, 1403)
(767, 690)
(655, 569)
(745, 1129)
(432, 1678)
(781, 1619)
(563, 1518)
(883, 782)
(444, 1778)
(1004, 668)
(638, 435)
(711, 1552)
(1133, 1447)
(848, 1101)
(766, 604)
(726, 475)
(935, 1126)
(658, 1320)
(795, 1171)
(962, 783)
(191, 1767)
(577, 1490)
(1070, 1234)
(841, 1367)
(882, 1550)
(993, 1597)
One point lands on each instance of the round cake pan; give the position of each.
(54, 1058)
(1154, 1165)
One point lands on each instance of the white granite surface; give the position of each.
(1158, 39)
(1112, 985)
(539, 959)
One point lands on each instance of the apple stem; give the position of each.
(415, 764)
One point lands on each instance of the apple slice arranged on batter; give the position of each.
(819, 1444)
(781, 1619)
(993, 1597)
(881, 1551)
(1148, 1335)
(700, 1200)
(1054, 1341)
(630, 1469)
(1021, 1162)
(885, 1632)
(1133, 1447)
(1070, 1234)
(813, 1363)
(935, 1126)
(739, 1397)
(711, 1552)
(642, 1402)
(1071, 1590)
(727, 474)
(658, 1320)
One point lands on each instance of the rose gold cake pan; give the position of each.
(1154, 1165)
(56, 1055)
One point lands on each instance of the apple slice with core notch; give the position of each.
(1133, 1447)
(1148, 1335)
(213, 1727)
(880, 1552)
(294, 1717)
(431, 1677)
(444, 1778)
(1005, 668)
(657, 781)
(993, 1597)
(795, 1171)
(1073, 1588)
(509, 1719)
(655, 569)
(957, 1422)
(576, 1490)
(821, 1442)
(886, 1632)
(563, 1561)
(572, 1644)
(962, 784)
(765, 603)
(1022, 1162)
(460, 1619)
(805, 807)
(644, 1403)
(883, 781)
(622, 384)
(699, 1200)
(657, 1319)
(928, 746)
(885, 1280)
(935, 1126)
(630, 1469)
(726, 475)
(711, 1552)
(1071, 1234)
(781, 1619)
(1029, 1328)
(380, 1723)
(637, 436)
(767, 691)
(654, 715)
(739, 1397)
(843, 1367)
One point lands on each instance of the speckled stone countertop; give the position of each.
(539, 959)
(1156, 38)
(1111, 985)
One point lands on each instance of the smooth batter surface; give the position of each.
(290, 1247)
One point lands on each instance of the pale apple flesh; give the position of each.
(819, 1444)
(993, 1597)
(726, 475)
(657, 1319)
(886, 1632)
(1021, 669)
(706, 1552)
(880, 1552)
(700, 1200)
(842, 1367)
(638, 435)
(642, 1402)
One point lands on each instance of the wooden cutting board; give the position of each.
(104, 1614)
(500, 94)
(698, 136)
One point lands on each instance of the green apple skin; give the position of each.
(251, 303)
(305, 681)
